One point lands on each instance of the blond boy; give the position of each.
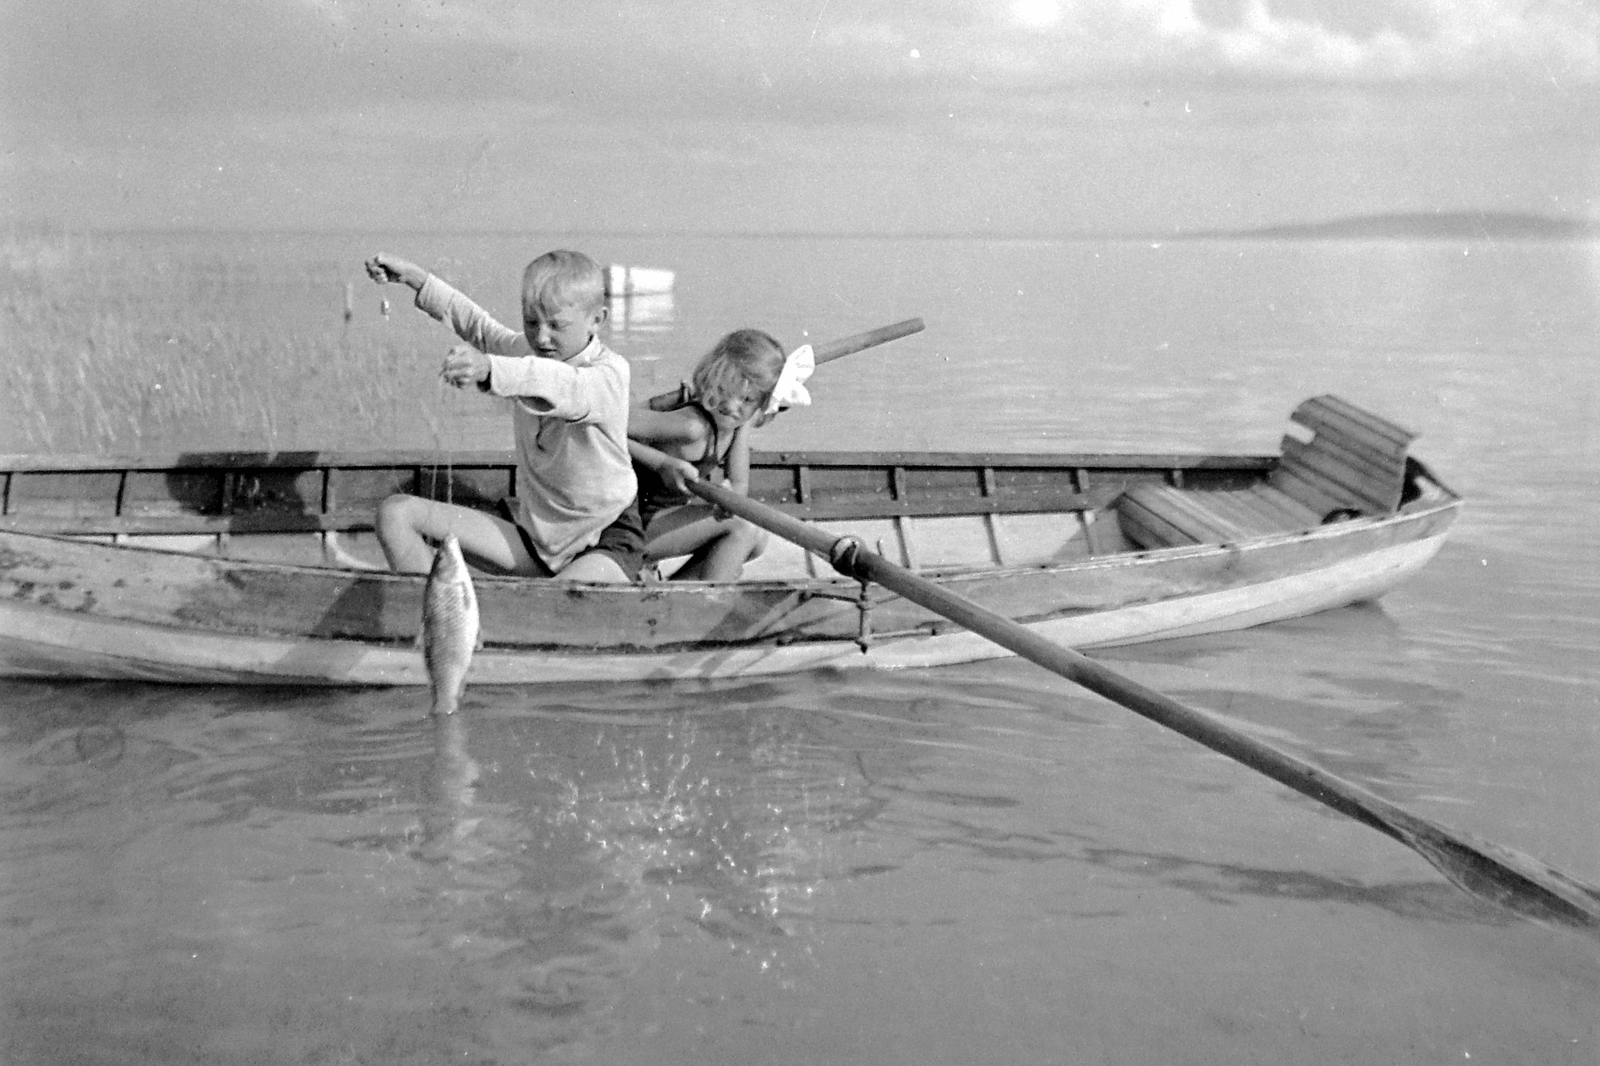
(575, 513)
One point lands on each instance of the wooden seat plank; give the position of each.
(1232, 506)
(1183, 517)
(1268, 518)
(1294, 512)
(1359, 487)
(1329, 413)
(1312, 495)
(1148, 529)
(1364, 463)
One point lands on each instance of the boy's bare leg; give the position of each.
(594, 566)
(409, 526)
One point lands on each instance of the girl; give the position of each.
(702, 431)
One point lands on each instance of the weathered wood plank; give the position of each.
(176, 524)
(64, 495)
(1289, 511)
(1237, 508)
(1343, 418)
(1312, 494)
(1194, 513)
(1364, 463)
(160, 461)
(1330, 469)
(1150, 528)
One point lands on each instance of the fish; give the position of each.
(450, 627)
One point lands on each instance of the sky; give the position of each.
(1010, 117)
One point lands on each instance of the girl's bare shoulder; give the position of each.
(684, 425)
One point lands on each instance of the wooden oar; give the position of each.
(832, 350)
(1518, 882)
(821, 353)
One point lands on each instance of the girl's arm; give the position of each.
(672, 428)
(737, 463)
(673, 471)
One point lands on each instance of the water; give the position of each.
(976, 864)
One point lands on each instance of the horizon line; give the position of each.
(1441, 225)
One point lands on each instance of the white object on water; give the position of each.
(637, 281)
(449, 625)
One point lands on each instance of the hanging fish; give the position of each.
(449, 625)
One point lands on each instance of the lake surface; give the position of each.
(974, 864)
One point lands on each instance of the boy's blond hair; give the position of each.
(561, 279)
(744, 359)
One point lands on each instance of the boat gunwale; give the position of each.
(26, 463)
(1111, 560)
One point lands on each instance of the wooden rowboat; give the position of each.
(261, 568)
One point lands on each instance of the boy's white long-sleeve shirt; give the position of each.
(570, 421)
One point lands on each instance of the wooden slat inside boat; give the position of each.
(259, 568)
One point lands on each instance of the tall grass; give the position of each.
(125, 344)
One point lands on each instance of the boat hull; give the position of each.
(74, 610)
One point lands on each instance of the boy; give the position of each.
(576, 514)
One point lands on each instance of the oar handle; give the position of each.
(821, 353)
(1490, 872)
(870, 339)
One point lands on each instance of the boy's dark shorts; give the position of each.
(623, 540)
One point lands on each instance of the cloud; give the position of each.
(825, 60)
(277, 111)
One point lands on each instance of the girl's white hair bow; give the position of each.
(790, 391)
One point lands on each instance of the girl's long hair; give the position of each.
(746, 359)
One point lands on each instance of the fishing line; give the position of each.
(435, 424)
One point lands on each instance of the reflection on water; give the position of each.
(633, 317)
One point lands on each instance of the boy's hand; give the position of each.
(383, 268)
(465, 366)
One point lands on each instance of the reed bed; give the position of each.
(125, 344)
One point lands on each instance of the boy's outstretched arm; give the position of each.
(383, 268)
(471, 323)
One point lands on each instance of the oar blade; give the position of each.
(1506, 877)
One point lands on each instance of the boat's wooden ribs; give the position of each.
(222, 500)
(215, 495)
(825, 492)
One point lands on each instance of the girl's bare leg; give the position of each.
(680, 531)
(723, 558)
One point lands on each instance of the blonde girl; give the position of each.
(703, 431)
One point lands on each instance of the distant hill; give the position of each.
(1424, 225)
